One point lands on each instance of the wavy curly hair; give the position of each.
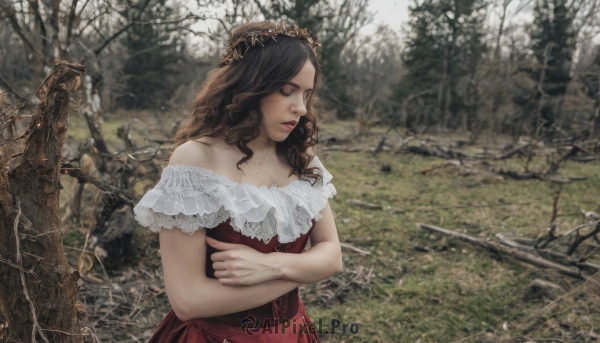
(229, 102)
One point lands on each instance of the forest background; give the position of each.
(480, 115)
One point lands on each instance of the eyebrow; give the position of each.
(296, 86)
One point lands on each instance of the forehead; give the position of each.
(306, 76)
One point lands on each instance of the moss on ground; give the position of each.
(455, 290)
(427, 288)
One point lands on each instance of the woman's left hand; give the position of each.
(241, 265)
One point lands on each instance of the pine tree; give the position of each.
(154, 68)
(552, 45)
(444, 44)
(552, 29)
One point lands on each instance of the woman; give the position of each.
(241, 196)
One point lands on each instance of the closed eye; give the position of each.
(286, 94)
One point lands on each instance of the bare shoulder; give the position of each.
(193, 152)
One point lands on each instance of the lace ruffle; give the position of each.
(192, 197)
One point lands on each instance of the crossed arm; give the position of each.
(246, 277)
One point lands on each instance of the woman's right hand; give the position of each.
(241, 265)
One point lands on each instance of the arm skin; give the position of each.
(192, 294)
(238, 265)
(323, 260)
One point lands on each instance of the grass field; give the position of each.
(453, 290)
(424, 287)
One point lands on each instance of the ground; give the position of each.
(414, 286)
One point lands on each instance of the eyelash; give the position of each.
(288, 94)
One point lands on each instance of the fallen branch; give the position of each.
(516, 253)
(363, 204)
(75, 172)
(351, 247)
(549, 254)
(510, 153)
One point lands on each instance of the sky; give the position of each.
(391, 12)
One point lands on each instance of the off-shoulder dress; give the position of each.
(267, 219)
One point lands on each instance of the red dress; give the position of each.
(266, 219)
(230, 327)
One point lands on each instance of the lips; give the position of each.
(289, 125)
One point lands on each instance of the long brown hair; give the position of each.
(229, 101)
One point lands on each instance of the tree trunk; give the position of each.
(39, 288)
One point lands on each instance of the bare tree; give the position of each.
(373, 65)
(39, 288)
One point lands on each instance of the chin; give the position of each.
(279, 136)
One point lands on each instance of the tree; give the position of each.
(157, 57)
(552, 46)
(552, 39)
(38, 288)
(444, 43)
(373, 66)
(334, 23)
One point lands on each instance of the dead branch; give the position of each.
(67, 168)
(549, 254)
(580, 238)
(512, 152)
(516, 253)
(367, 205)
(351, 247)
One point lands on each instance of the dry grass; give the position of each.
(421, 287)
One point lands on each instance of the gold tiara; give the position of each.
(236, 49)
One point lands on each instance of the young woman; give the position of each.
(242, 195)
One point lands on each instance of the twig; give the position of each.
(87, 236)
(351, 247)
(579, 227)
(110, 297)
(16, 266)
(580, 239)
(555, 204)
(12, 140)
(433, 208)
(363, 204)
(138, 301)
(36, 326)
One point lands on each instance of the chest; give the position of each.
(273, 170)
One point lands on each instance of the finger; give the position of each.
(229, 281)
(223, 245)
(219, 265)
(224, 256)
(222, 274)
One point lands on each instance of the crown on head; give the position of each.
(236, 49)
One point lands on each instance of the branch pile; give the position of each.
(567, 252)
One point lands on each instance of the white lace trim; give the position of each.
(192, 197)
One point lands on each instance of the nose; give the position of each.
(299, 107)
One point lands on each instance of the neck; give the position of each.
(261, 144)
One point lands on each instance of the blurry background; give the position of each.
(473, 65)
(478, 116)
